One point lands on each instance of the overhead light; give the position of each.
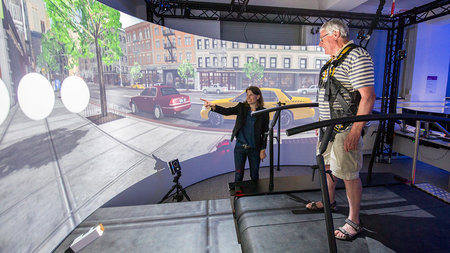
(361, 35)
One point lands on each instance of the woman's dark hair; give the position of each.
(255, 90)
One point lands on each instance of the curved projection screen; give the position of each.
(143, 110)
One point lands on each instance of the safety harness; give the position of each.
(334, 90)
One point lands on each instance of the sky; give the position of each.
(128, 20)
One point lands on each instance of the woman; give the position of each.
(250, 132)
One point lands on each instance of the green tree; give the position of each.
(81, 25)
(186, 70)
(253, 70)
(51, 51)
(135, 72)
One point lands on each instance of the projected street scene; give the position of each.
(117, 55)
(160, 100)
(94, 101)
(218, 69)
(271, 97)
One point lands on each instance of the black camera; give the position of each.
(174, 166)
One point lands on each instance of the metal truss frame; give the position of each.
(240, 11)
(390, 86)
(240, 5)
(393, 60)
(425, 12)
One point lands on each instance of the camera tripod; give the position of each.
(180, 192)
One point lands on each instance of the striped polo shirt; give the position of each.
(354, 72)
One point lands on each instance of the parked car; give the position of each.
(215, 88)
(271, 97)
(160, 100)
(137, 86)
(308, 90)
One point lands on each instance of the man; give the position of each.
(346, 79)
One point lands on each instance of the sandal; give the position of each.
(347, 236)
(314, 206)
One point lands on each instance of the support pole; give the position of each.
(416, 151)
(324, 188)
(271, 158)
(276, 117)
(279, 141)
(374, 153)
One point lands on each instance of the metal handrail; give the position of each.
(392, 116)
(279, 108)
(330, 124)
(276, 117)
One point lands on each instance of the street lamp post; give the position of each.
(120, 71)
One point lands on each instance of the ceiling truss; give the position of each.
(240, 11)
(425, 12)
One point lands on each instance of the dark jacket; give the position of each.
(261, 123)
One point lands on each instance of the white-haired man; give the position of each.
(346, 88)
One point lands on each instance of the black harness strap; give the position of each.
(334, 90)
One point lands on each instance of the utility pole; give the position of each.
(120, 70)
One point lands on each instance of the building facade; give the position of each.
(140, 46)
(160, 50)
(38, 24)
(16, 45)
(286, 67)
(172, 48)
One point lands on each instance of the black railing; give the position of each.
(330, 124)
(276, 116)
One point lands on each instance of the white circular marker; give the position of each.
(75, 94)
(35, 95)
(4, 101)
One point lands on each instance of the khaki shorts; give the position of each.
(344, 165)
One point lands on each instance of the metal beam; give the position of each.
(394, 46)
(240, 11)
(241, 6)
(157, 11)
(390, 86)
(425, 12)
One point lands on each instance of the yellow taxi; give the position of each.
(271, 97)
(137, 86)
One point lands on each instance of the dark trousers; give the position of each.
(240, 156)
